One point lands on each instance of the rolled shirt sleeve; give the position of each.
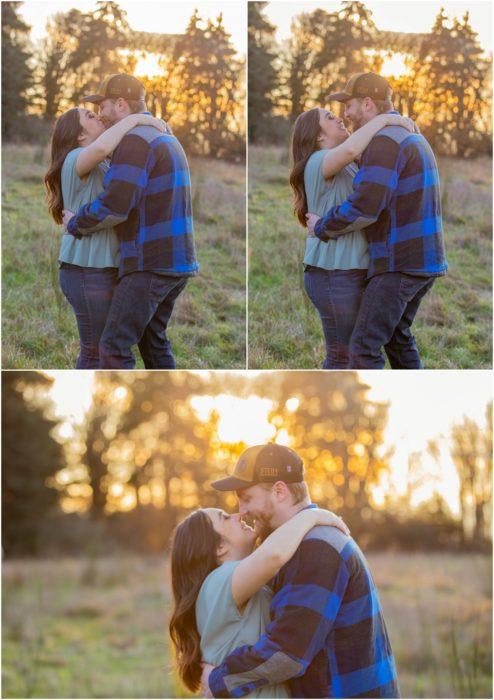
(373, 188)
(303, 612)
(124, 185)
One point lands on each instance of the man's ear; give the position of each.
(280, 490)
(368, 103)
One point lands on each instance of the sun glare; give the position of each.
(292, 404)
(394, 65)
(148, 66)
(257, 419)
(71, 392)
(240, 420)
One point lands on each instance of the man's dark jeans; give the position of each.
(89, 291)
(389, 305)
(336, 294)
(140, 311)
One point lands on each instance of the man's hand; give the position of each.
(312, 220)
(67, 216)
(206, 671)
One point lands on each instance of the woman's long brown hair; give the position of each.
(64, 139)
(305, 133)
(193, 557)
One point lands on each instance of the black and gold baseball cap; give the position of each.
(364, 85)
(118, 85)
(263, 464)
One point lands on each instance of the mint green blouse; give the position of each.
(223, 628)
(101, 249)
(349, 251)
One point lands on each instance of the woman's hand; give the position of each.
(326, 517)
(406, 122)
(149, 120)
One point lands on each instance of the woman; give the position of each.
(219, 585)
(323, 154)
(89, 265)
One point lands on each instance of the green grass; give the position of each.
(98, 627)
(207, 329)
(454, 323)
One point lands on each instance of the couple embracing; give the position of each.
(298, 616)
(128, 249)
(371, 202)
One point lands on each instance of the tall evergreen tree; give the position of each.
(17, 75)
(263, 74)
(77, 52)
(453, 76)
(300, 63)
(469, 86)
(30, 456)
(103, 33)
(325, 49)
(208, 84)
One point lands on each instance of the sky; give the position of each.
(150, 16)
(171, 17)
(393, 15)
(423, 407)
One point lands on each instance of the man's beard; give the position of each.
(108, 121)
(358, 123)
(265, 530)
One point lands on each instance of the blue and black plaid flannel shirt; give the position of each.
(146, 197)
(327, 635)
(396, 198)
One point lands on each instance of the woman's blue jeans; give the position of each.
(336, 294)
(89, 290)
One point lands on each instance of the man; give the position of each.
(327, 635)
(147, 198)
(396, 197)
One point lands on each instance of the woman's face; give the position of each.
(92, 126)
(332, 127)
(239, 537)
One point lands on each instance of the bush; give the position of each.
(271, 130)
(30, 129)
(411, 533)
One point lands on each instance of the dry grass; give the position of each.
(98, 627)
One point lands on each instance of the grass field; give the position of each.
(98, 628)
(453, 327)
(207, 329)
